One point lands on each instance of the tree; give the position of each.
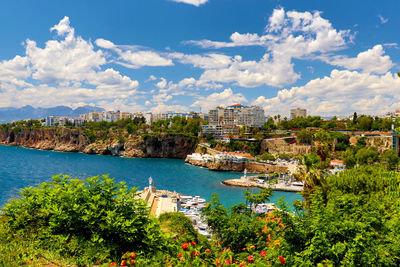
(355, 118)
(390, 159)
(304, 137)
(367, 155)
(365, 123)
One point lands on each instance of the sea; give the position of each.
(21, 167)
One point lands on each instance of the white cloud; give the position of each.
(207, 61)
(289, 35)
(162, 108)
(104, 43)
(191, 2)
(226, 97)
(237, 39)
(63, 27)
(15, 71)
(68, 70)
(132, 57)
(342, 92)
(139, 59)
(372, 60)
(382, 19)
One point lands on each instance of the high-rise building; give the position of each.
(298, 112)
(237, 115)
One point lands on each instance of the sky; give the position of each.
(330, 57)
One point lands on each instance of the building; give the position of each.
(237, 115)
(50, 121)
(298, 112)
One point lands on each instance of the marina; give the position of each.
(162, 201)
(281, 183)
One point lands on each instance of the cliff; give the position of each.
(74, 140)
(68, 140)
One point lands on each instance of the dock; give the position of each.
(246, 182)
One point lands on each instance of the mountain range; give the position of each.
(9, 114)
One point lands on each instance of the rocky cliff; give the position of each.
(74, 140)
(69, 140)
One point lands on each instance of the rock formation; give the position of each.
(74, 140)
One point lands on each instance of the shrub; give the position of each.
(85, 218)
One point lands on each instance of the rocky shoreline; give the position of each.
(251, 167)
(74, 140)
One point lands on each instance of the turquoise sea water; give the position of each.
(21, 167)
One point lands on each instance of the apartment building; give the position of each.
(237, 115)
(298, 112)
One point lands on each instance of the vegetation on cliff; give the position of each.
(351, 219)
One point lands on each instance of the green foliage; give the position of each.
(354, 221)
(88, 218)
(367, 155)
(304, 137)
(177, 125)
(238, 226)
(267, 156)
(390, 159)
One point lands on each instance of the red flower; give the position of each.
(179, 255)
(192, 254)
(185, 246)
(263, 253)
(197, 253)
(193, 243)
(228, 262)
(242, 264)
(98, 260)
(132, 255)
(208, 251)
(182, 259)
(132, 262)
(113, 264)
(123, 263)
(282, 260)
(250, 259)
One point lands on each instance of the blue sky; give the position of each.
(331, 57)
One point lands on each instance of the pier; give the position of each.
(249, 182)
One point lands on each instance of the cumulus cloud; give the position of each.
(342, 92)
(288, 35)
(191, 2)
(67, 70)
(372, 60)
(226, 97)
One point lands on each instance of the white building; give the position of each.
(238, 115)
(298, 112)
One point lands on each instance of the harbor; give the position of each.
(276, 184)
(162, 201)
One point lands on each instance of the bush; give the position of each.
(84, 218)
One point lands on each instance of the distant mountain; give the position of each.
(28, 112)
